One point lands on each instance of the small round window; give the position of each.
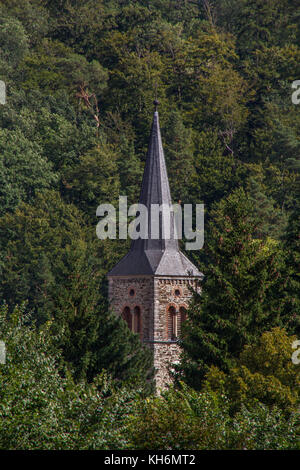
(177, 292)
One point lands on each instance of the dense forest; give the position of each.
(81, 77)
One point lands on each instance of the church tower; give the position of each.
(150, 286)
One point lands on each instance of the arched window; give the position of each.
(137, 320)
(172, 323)
(126, 315)
(182, 318)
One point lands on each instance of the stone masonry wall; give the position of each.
(167, 352)
(119, 297)
(153, 296)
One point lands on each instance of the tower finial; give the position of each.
(156, 102)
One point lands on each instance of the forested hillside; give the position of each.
(81, 77)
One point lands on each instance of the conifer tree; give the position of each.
(179, 156)
(272, 220)
(291, 286)
(50, 260)
(239, 300)
(91, 337)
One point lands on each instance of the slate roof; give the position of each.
(155, 256)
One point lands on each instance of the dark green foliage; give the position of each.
(292, 280)
(119, 351)
(81, 77)
(94, 180)
(92, 338)
(52, 412)
(271, 219)
(13, 40)
(217, 173)
(41, 409)
(179, 157)
(185, 419)
(50, 260)
(264, 372)
(36, 242)
(239, 298)
(24, 170)
(253, 22)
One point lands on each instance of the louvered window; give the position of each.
(172, 323)
(181, 319)
(126, 315)
(137, 320)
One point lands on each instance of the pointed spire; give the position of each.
(155, 189)
(155, 256)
